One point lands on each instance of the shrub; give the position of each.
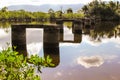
(17, 67)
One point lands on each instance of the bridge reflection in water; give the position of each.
(52, 36)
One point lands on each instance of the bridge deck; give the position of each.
(35, 26)
(68, 20)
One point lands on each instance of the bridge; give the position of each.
(51, 38)
(87, 22)
(68, 20)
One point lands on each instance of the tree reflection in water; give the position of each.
(96, 33)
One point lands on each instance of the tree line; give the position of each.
(104, 10)
(97, 9)
(22, 15)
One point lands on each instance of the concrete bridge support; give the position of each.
(51, 44)
(19, 39)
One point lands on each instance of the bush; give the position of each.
(17, 67)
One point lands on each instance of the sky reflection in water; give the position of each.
(88, 60)
(85, 61)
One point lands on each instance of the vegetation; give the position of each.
(21, 15)
(25, 16)
(97, 8)
(104, 10)
(103, 30)
(16, 67)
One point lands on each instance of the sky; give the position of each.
(4, 3)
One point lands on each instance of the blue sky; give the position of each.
(40, 2)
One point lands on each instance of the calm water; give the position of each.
(93, 55)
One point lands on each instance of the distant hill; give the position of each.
(45, 8)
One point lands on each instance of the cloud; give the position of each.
(68, 35)
(95, 61)
(34, 48)
(87, 40)
(59, 73)
(3, 33)
(35, 0)
(103, 41)
(1, 48)
(40, 2)
(92, 61)
(110, 57)
(75, 45)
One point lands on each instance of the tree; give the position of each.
(69, 10)
(105, 11)
(51, 13)
(85, 9)
(112, 5)
(58, 14)
(117, 4)
(4, 9)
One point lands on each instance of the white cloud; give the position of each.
(70, 44)
(40, 2)
(109, 57)
(114, 40)
(68, 35)
(92, 61)
(3, 33)
(59, 73)
(34, 48)
(5, 38)
(86, 39)
(1, 48)
(103, 41)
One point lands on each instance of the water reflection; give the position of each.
(98, 31)
(92, 61)
(50, 41)
(51, 44)
(105, 30)
(76, 29)
(19, 39)
(53, 36)
(95, 48)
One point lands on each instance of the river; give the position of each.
(92, 55)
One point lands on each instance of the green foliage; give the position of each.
(58, 14)
(68, 15)
(99, 9)
(21, 14)
(16, 67)
(78, 15)
(104, 10)
(68, 24)
(106, 29)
